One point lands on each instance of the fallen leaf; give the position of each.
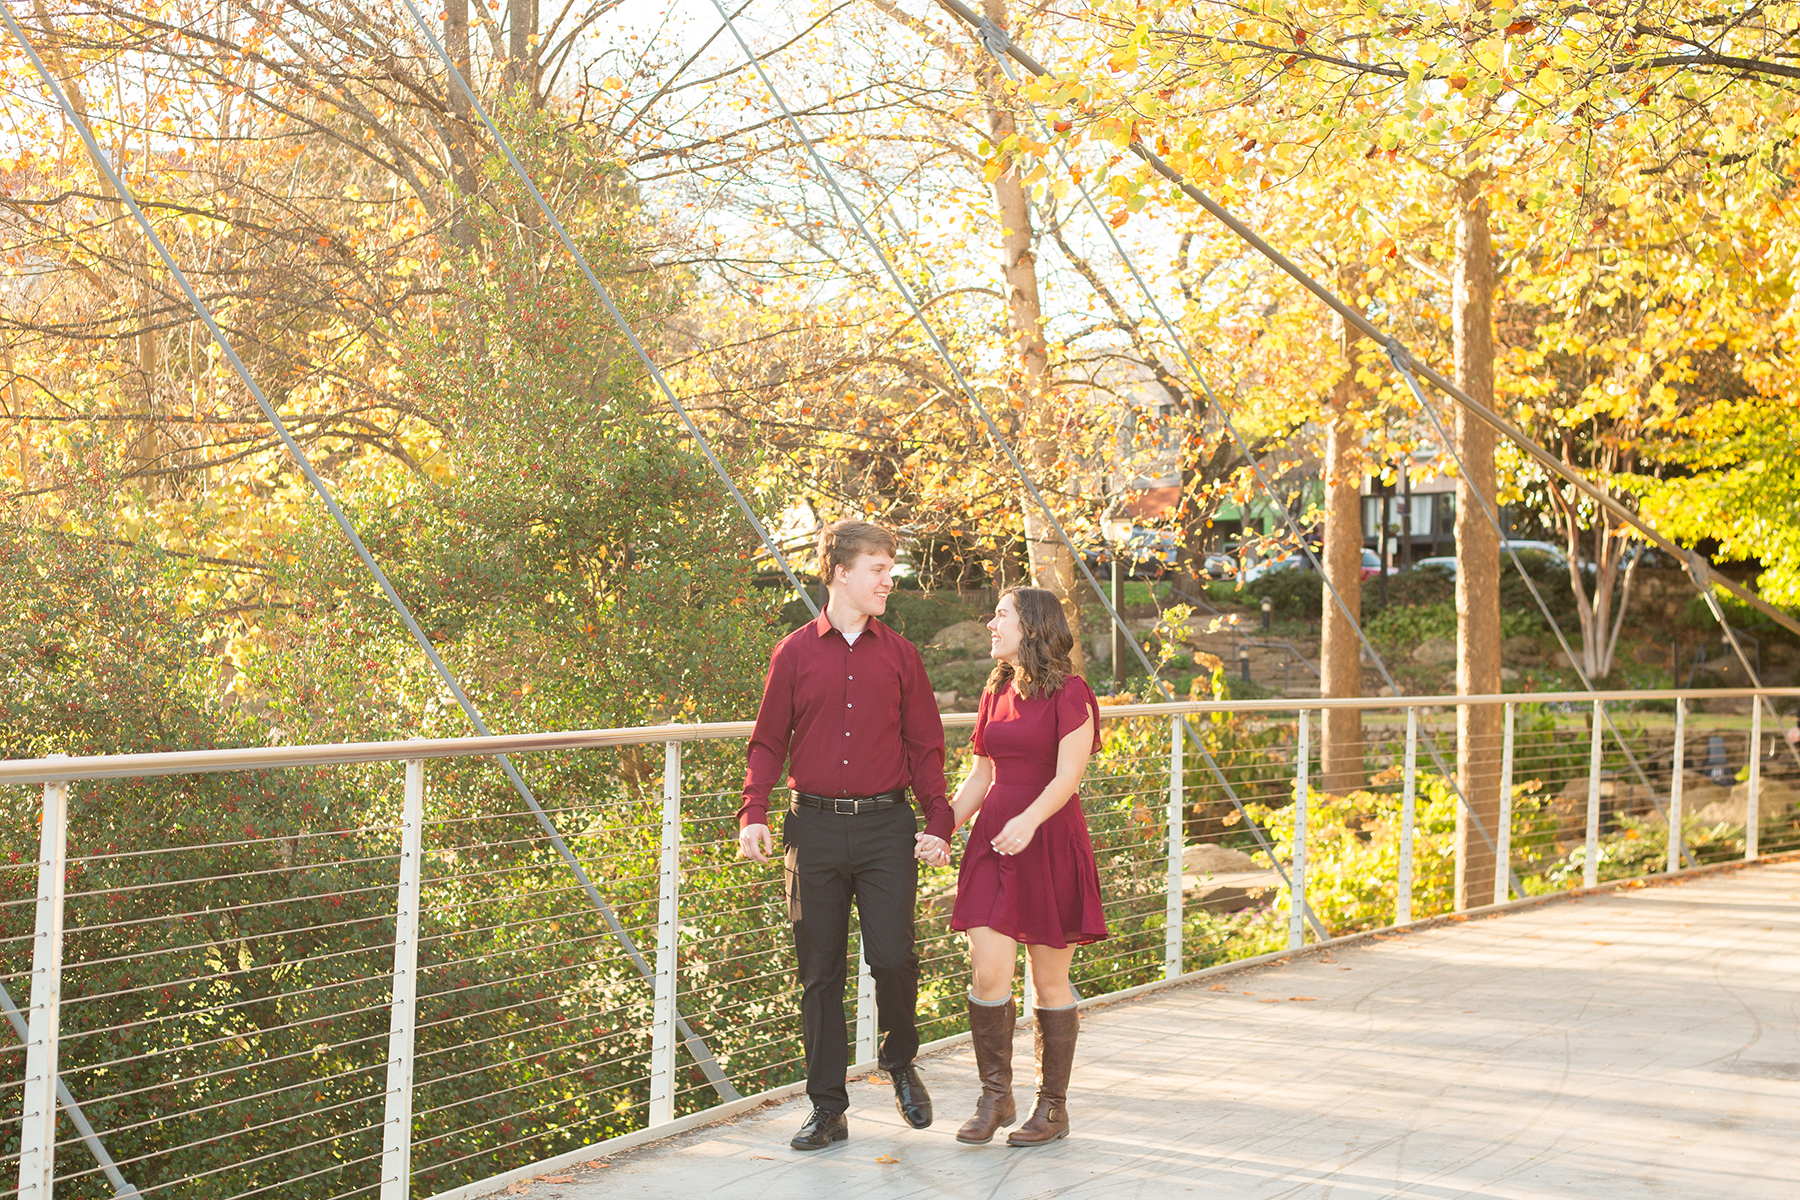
(556, 1179)
(1218, 987)
(1602, 943)
(519, 1189)
(1300, 997)
(887, 1159)
(596, 1164)
(1277, 1000)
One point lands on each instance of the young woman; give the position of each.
(1028, 870)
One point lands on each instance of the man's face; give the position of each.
(865, 583)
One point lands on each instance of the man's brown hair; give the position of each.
(841, 542)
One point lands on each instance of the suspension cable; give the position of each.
(702, 1056)
(1543, 456)
(917, 308)
(1398, 358)
(993, 39)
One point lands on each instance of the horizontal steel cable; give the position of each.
(311, 1081)
(112, 855)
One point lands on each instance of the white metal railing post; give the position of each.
(1678, 764)
(403, 1012)
(1409, 795)
(37, 1127)
(1590, 864)
(865, 1001)
(1297, 868)
(1503, 836)
(1172, 949)
(668, 926)
(1753, 796)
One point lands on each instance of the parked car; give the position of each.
(1445, 563)
(1220, 566)
(1554, 553)
(1151, 554)
(1147, 554)
(1371, 566)
(1292, 562)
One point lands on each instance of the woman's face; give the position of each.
(1004, 631)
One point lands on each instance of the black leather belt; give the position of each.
(852, 806)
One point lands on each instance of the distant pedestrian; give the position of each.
(848, 708)
(1028, 872)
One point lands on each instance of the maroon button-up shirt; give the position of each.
(848, 720)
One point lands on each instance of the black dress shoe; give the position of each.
(910, 1096)
(821, 1129)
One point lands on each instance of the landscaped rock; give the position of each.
(1774, 798)
(1213, 859)
(964, 635)
(1522, 648)
(1224, 880)
(1435, 652)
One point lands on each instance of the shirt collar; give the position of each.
(822, 625)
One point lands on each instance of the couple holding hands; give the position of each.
(847, 708)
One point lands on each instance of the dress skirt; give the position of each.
(1048, 894)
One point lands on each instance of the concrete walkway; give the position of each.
(1637, 1044)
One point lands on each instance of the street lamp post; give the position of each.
(1118, 533)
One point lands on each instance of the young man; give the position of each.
(848, 708)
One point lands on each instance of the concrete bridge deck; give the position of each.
(1634, 1044)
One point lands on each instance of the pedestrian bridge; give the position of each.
(1639, 1042)
(371, 969)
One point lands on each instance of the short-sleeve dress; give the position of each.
(1048, 894)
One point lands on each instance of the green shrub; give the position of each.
(1414, 623)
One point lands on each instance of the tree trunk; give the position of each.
(1340, 650)
(1478, 728)
(1052, 566)
(462, 151)
(521, 49)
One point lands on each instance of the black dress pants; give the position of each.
(831, 860)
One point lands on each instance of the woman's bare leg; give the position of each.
(1050, 976)
(992, 955)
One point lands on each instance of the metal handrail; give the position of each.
(1283, 779)
(263, 758)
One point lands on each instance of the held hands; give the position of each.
(934, 851)
(755, 844)
(1016, 835)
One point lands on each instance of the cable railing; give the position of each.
(292, 970)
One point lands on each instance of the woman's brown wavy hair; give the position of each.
(1044, 645)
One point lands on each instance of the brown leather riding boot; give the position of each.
(1056, 1030)
(991, 1029)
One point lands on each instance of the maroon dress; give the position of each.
(1048, 894)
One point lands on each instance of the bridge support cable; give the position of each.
(1000, 440)
(1547, 460)
(697, 1048)
(1400, 365)
(108, 1166)
(994, 39)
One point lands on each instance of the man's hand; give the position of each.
(754, 843)
(932, 850)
